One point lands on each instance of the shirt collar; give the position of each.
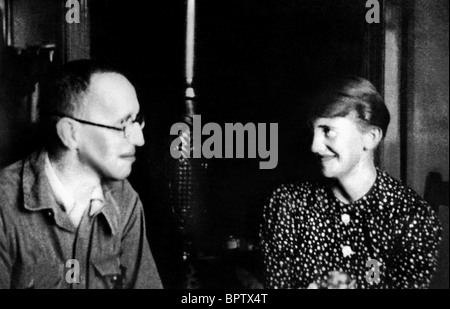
(38, 193)
(62, 196)
(372, 194)
(97, 200)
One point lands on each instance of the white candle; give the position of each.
(190, 37)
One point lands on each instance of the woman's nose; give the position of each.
(317, 145)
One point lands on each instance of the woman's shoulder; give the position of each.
(402, 193)
(297, 190)
(291, 199)
(393, 185)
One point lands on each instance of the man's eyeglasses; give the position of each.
(127, 129)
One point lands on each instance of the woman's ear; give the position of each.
(372, 138)
(67, 132)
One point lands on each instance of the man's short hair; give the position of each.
(63, 92)
(70, 84)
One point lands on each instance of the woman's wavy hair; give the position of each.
(351, 95)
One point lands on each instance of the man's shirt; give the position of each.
(40, 247)
(74, 209)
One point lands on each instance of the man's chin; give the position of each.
(117, 176)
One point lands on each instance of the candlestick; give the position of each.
(190, 40)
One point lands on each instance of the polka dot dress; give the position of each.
(386, 239)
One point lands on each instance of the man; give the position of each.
(68, 216)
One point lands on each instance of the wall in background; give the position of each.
(32, 23)
(428, 95)
(427, 109)
(3, 123)
(35, 22)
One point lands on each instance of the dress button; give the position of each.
(347, 251)
(345, 218)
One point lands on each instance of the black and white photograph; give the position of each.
(224, 146)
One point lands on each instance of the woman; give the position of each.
(364, 227)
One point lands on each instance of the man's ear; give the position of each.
(372, 138)
(67, 132)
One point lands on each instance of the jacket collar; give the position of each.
(38, 194)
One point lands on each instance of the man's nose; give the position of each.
(317, 145)
(137, 136)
